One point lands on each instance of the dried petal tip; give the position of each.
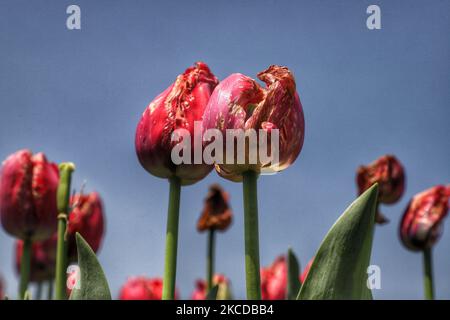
(280, 74)
(421, 224)
(216, 214)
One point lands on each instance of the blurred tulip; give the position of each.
(421, 225)
(388, 172)
(28, 186)
(2, 289)
(43, 259)
(177, 107)
(216, 214)
(274, 280)
(86, 218)
(142, 288)
(239, 102)
(223, 292)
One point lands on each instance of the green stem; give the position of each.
(251, 235)
(62, 198)
(210, 259)
(50, 290)
(25, 265)
(173, 213)
(39, 291)
(428, 274)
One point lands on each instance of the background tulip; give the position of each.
(86, 218)
(274, 280)
(223, 292)
(421, 226)
(388, 172)
(142, 288)
(2, 288)
(28, 186)
(177, 107)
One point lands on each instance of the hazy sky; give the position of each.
(78, 95)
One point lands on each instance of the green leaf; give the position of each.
(339, 269)
(293, 286)
(212, 294)
(93, 283)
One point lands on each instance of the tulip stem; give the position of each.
(25, 265)
(173, 213)
(428, 274)
(210, 259)
(252, 272)
(62, 201)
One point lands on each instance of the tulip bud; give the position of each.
(28, 186)
(388, 172)
(274, 280)
(142, 288)
(421, 224)
(216, 214)
(176, 108)
(240, 103)
(223, 292)
(87, 219)
(43, 259)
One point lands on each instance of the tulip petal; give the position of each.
(339, 270)
(93, 283)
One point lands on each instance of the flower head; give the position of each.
(142, 288)
(223, 293)
(421, 225)
(274, 280)
(216, 214)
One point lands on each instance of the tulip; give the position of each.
(306, 271)
(2, 289)
(240, 104)
(421, 227)
(87, 219)
(388, 172)
(28, 209)
(43, 258)
(274, 280)
(178, 107)
(223, 292)
(216, 215)
(142, 288)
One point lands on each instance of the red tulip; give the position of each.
(216, 214)
(274, 280)
(388, 172)
(142, 288)
(87, 219)
(2, 289)
(43, 259)
(28, 185)
(421, 225)
(176, 108)
(239, 102)
(306, 271)
(223, 293)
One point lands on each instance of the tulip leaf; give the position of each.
(93, 284)
(293, 285)
(339, 269)
(212, 294)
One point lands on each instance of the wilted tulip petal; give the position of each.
(216, 214)
(86, 218)
(274, 280)
(421, 224)
(28, 185)
(176, 108)
(142, 288)
(239, 102)
(388, 172)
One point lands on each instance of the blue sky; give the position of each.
(78, 95)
